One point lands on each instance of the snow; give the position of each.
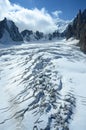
(62, 25)
(43, 85)
(6, 37)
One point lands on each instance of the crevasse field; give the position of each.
(43, 86)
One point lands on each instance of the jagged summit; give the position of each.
(78, 29)
(9, 31)
(29, 35)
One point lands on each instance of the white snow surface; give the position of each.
(43, 86)
(62, 25)
(6, 37)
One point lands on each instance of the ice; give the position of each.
(42, 86)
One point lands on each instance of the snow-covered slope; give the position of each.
(42, 87)
(6, 37)
(62, 25)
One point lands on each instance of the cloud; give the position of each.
(24, 18)
(57, 13)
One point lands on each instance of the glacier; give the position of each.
(42, 86)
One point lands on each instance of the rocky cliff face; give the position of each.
(77, 29)
(29, 35)
(9, 31)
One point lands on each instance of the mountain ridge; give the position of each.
(77, 29)
(8, 27)
(10, 32)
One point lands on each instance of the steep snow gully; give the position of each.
(43, 87)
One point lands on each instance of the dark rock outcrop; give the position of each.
(39, 35)
(26, 34)
(54, 35)
(77, 29)
(29, 35)
(10, 27)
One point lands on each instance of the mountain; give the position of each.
(62, 25)
(77, 29)
(29, 35)
(9, 31)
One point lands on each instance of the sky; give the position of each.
(68, 7)
(40, 15)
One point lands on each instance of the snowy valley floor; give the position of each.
(43, 87)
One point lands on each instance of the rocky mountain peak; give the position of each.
(78, 29)
(9, 27)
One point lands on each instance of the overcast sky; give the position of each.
(39, 14)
